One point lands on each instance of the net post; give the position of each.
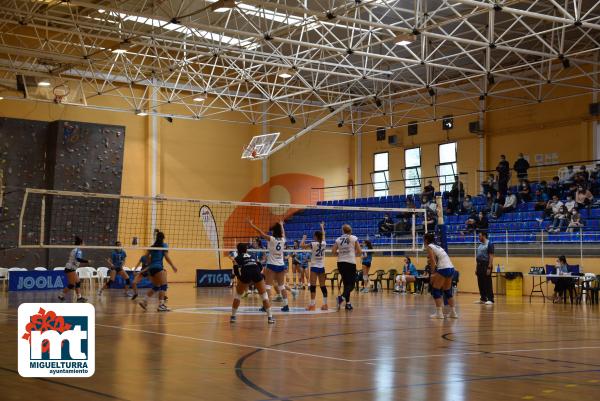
(42, 220)
(21, 216)
(414, 229)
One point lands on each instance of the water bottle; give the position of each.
(498, 268)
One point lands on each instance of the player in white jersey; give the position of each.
(317, 267)
(276, 266)
(75, 258)
(441, 277)
(346, 248)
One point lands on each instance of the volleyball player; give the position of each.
(157, 272)
(304, 258)
(346, 248)
(317, 267)
(144, 263)
(248, 271)
(441, 277)
(116, 263)
(75, 258)
(276, 267)
(367, 258)
(296, 272)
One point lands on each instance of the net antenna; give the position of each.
(260, 147)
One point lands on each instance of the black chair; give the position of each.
(391, 278)
(333, 277)
(378, 280)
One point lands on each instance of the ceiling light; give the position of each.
(199, 99)
(44, 83)
(405, 39)
(119, 51)
(122, 48)
(141, 113)
(101, 11)
(222, 6)
(285, 73)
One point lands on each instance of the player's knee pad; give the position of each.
(78, 284)
(268, 287)
(71, 286)
(155, 288)
(128, 282)
(281, 287)
(365, 277)
(265, 296)
(313, 289)
(237, 296)
(164, 287)
(436, 293)
(448, 293)
(324, 291)
(398, 279)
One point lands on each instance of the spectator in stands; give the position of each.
(543, 186)
(595, 183)
(521, 166)
(582, 176)
(429, 191)
(576, 223)
(570, 204)
(471, 223)
(559, 220)
(541, 200)
(489, 201)
(402, 225)
(431, 221)
(568, 177)
(552, 207)
(524, 191)
(490, 186)
(555, 187)
(510, 204)
(503, 170)
(483, 271)
(386, 226)
(483, 224)
(467, 204)
(583, 197)
(410, 202)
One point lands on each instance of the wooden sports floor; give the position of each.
(386, 349)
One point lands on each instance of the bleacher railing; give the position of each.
(366, 190)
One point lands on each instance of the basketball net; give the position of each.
(60, 92)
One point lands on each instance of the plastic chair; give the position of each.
(333, 277)
(40, 269)
(3, 276)
(391, 278)
(102, 273)
(85, 274)
(59, 268)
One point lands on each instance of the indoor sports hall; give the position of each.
(299, 200)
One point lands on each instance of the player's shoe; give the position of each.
(294, 293)
(270, 320)
(144, 304)
(134, 296)
(340, 301)
(162, 308)
(81, 300)
(452, 315)
(324, 307)
(232, 319)
(129, 294)
(489, 303)
(285, 308)
(311, 308)
(262, 309)
(349, 306)
(479, 302)
(61, 297)
(437, 315)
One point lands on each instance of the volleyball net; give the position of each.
(52, 219)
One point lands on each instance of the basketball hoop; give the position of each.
(60, 92)
(259, 147)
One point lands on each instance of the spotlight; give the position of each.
(292, 119)
(447, 123)
(490, 78)
(169, 119)
(431, 91)
(331, 109)
(565, 61)
(341, 124)
(141, 113)
(378, 102)
(404, 39)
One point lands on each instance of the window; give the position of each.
(447, 169)
(380, 176)
(412, 172)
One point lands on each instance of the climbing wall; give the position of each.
(23, 145)
(69, 156)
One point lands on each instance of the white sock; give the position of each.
(269, 313)
(439, 310)
(324, 300)
(312, 302)
(233, 311)
(285, 301)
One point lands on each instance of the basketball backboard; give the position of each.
(260, 146)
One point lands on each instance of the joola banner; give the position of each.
(56, 340)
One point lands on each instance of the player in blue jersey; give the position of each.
(116, 263)
(303, 260)
(75, 258)
(144, 262)
(317, 268)
(157, 272)
(367, 259)
(249, 271)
